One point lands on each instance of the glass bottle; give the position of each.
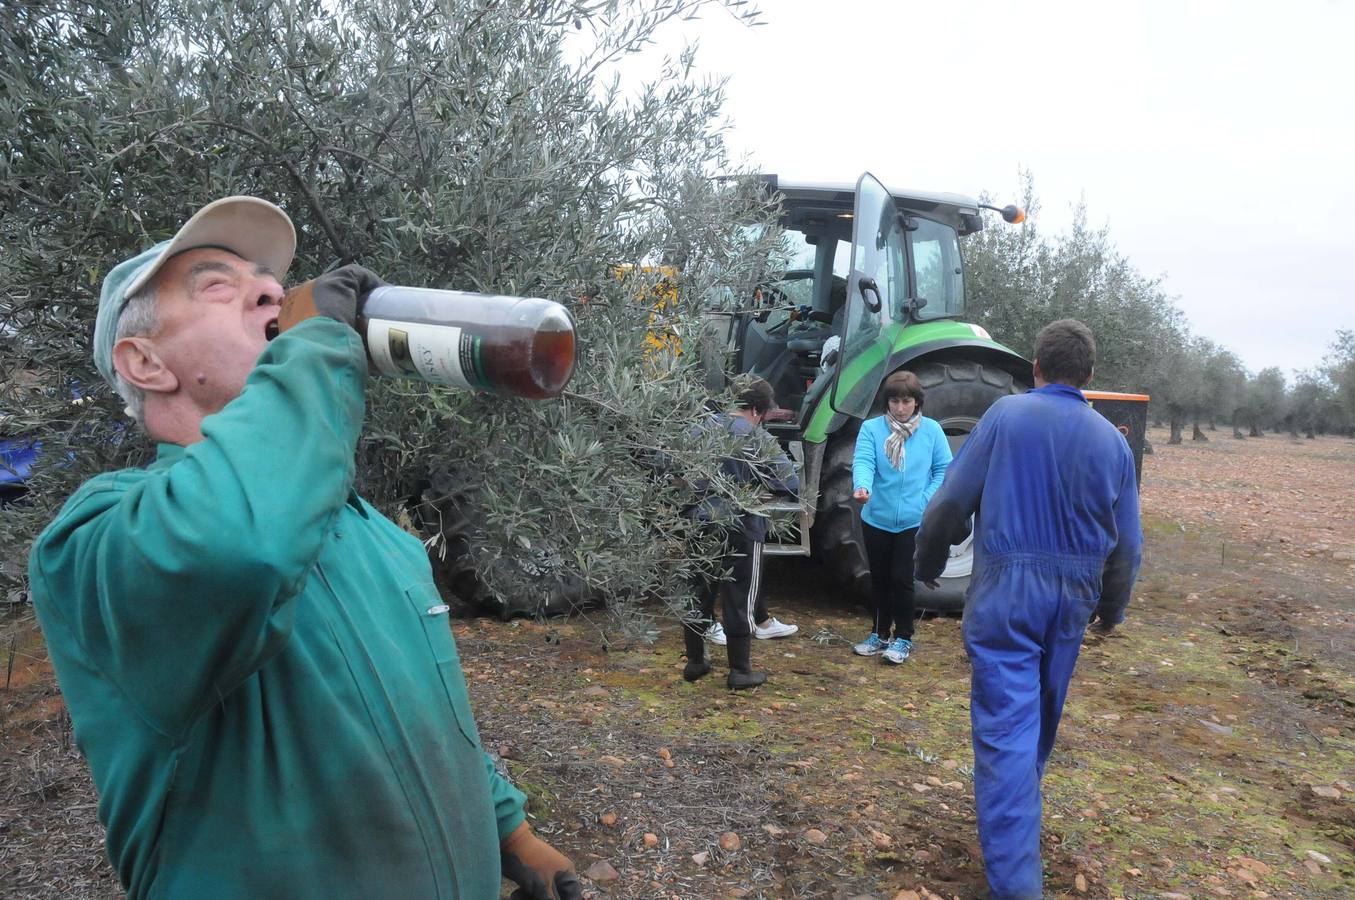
(523, 346)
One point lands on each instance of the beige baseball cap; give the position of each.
(252, 229)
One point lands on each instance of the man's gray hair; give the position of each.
(139, 319)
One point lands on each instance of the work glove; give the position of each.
(338, 295)
(539, 870)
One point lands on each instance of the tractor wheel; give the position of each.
(835, 538)
(958, 392)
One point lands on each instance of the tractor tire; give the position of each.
(958, 393)
(835, 539)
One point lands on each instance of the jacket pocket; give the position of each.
(437, 628)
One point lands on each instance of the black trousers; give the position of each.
(742, 594)
(890, 555)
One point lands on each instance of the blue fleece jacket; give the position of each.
(898, 496)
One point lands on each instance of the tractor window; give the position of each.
(936, 264)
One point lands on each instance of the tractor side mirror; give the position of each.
(1011, 213)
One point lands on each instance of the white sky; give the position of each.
(1216, 140)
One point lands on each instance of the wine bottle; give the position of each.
(522, 346)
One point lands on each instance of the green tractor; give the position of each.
(874, 283)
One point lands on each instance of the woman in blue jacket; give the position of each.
(900, 461)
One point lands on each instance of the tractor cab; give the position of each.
(871, 281)
(822, 329)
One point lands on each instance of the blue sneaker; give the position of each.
(897, 651)
(871, 646)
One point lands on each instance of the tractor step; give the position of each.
(803, 518)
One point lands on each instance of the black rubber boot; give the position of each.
(697, 665)
(741, 674)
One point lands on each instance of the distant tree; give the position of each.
(1339, 368)
(1309, 403)
(1264, 400)
(1225, 381)
(1020, 280)
(1004, 268)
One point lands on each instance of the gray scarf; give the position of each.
(898, 433)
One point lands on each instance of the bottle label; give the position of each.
(440, 354)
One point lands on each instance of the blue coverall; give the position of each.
(1056, 538)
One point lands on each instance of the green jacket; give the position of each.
(259, 668)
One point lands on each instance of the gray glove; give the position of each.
(336, 295)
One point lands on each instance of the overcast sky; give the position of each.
(1216, 140)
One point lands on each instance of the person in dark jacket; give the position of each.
(758, 460)
(259, 668)
(1056, 544)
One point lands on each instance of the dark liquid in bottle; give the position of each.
(535, 365)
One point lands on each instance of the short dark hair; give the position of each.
(903, 384)
(757, 396)
(1066, 352)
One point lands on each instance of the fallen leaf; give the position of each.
(816, 837)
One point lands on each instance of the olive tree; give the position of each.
(471, 144)
(1021, 279)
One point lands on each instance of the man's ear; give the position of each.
(1089, 379)
(136, 361)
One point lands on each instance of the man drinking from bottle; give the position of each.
(257, 664)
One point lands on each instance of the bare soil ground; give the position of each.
(1208, 747)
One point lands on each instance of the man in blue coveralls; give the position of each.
(1053, 490)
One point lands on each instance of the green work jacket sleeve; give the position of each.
(176, 582)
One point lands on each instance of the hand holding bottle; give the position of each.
(339, 294)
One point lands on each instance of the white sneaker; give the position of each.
(716, 634)
(774, 629)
